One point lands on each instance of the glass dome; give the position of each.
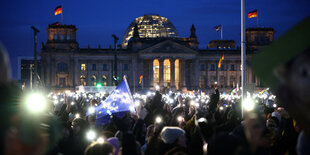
(150, 26)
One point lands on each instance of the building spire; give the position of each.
(193, 32)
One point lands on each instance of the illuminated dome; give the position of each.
(150, 26)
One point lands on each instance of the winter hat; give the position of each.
(170, 134)
(114, 142)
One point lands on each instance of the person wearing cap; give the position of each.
(284, 66)
(174, 141)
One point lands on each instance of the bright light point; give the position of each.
(91, 135)
(180, 118)
(221, 108)
(274, 105)
(149, 94)
(137, 103)
(158, 120)
(91, 110)
(99, 85)
(62, 99)
(192, 103)
(67, 92)
(77, 115)
(72, 103)
(55, 101)
(100, 140)
(36, 102)
(248, 104)
(157, 87)
(197, 104)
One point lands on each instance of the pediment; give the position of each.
(168, 46)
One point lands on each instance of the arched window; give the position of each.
(83, 80)
(104, 80)
(177, 73)
(93, 80)
(156, 71)
(167, 72)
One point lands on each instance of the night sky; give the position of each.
(97, 20)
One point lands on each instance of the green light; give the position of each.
(117, 78)
(99, 85)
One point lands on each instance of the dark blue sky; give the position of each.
(97, 20)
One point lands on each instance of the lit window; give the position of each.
(83, 67)
(83, 80)
(62, 37)
(68, 37)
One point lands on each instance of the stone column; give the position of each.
(140, 72)
(77, 74)
(53, 73)
(161, 72)
(183, 79)
(110, 71)
(48, 72)
(151, 74)
(197, 73)
(172, 73)
(134, 71)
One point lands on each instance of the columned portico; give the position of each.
(161, 72)
(172, 73)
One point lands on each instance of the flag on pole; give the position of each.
(58, 10)
(141, 77)
(218, 27)
(220, 62)
(117, 103)
(252, 14)
(264, 91)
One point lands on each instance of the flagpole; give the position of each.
(62, 12)
(221, 32)
(243, 54)
(257, 20)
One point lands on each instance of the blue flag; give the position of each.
(218, 27)
(118, 103)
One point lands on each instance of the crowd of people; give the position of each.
(167, 123)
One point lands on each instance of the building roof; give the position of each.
(150, 26)
(259, 29)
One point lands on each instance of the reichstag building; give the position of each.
(152, 53)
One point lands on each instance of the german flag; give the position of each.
(252, 14)
(58, 10)
(220, 62)
(141, 77)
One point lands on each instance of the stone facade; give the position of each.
(66, 65)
